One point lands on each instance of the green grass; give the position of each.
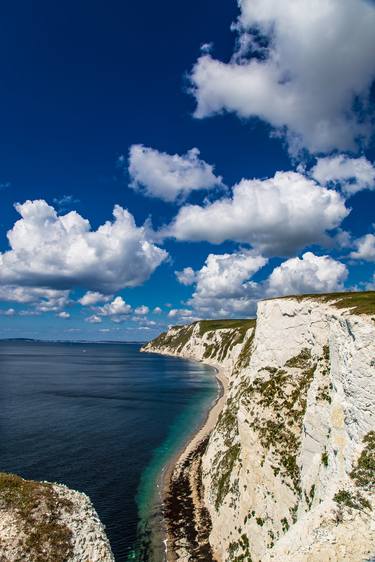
(37, 507)
(182, 335)
(325, 458)
(354, 501)
(223, 471)
(246, 352)
(239, 551)
(364, 472)
(176, 340)
(362, 302)
(278, 401)
(209, 325)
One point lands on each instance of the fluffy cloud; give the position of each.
(93, 297)
(94, 319)
(65, 315)
(144, 321)
(62, 252)
(142, 310)
(309, 274)
(304, 67)
(182, 315)
(365, 248)
(351, 174)
(186, 276)
(117, 310)
(43, 300)
(224, 286)
(180, 312)
(277, 216)
(169, 177)
(8, 312)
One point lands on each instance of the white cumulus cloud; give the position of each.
(8, 312)
(350, 174)
(365, 248)
(117, 308)
(65, 315)
(309, 274)
(277, 216)
(141, 310)
(94, 319)
(182, 315)
(304, 67)
(224, 286)
(187, 276)
(93, 297)
(169, 177)
(61, 252)
(40, 298)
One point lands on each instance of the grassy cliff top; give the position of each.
(362, 302)
(210, 325)
(181, 334)
(36, 507)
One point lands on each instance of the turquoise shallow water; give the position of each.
(101, 418)
(185, 425)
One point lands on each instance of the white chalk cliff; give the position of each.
(288, 474)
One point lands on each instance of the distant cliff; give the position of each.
(43, 522)
(288, 473)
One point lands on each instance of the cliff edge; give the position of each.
(288, 473)
(47, 522)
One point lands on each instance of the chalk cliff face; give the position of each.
(49, 522)
(217, 343)
(288, 473)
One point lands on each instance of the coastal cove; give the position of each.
(103, 419)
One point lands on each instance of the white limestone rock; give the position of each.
(300, 405)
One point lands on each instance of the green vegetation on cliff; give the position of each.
(277, 404)
(176, 338)
(232, 332)
(222, 475)
(36, 509)
(229, 337)
(364, 472)
(362, 302)
(211, 325)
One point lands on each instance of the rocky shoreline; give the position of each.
(186, 519)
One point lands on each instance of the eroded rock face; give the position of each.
(210, 342)
(47, 522)
(280, 472)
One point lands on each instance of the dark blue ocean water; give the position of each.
(101, 418)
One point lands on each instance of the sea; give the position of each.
(104, 419)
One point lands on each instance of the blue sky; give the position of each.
(234, 140)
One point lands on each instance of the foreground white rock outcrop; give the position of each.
(47, 522)
(288, 473)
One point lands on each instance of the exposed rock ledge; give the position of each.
(288, 474)
(44, 522)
